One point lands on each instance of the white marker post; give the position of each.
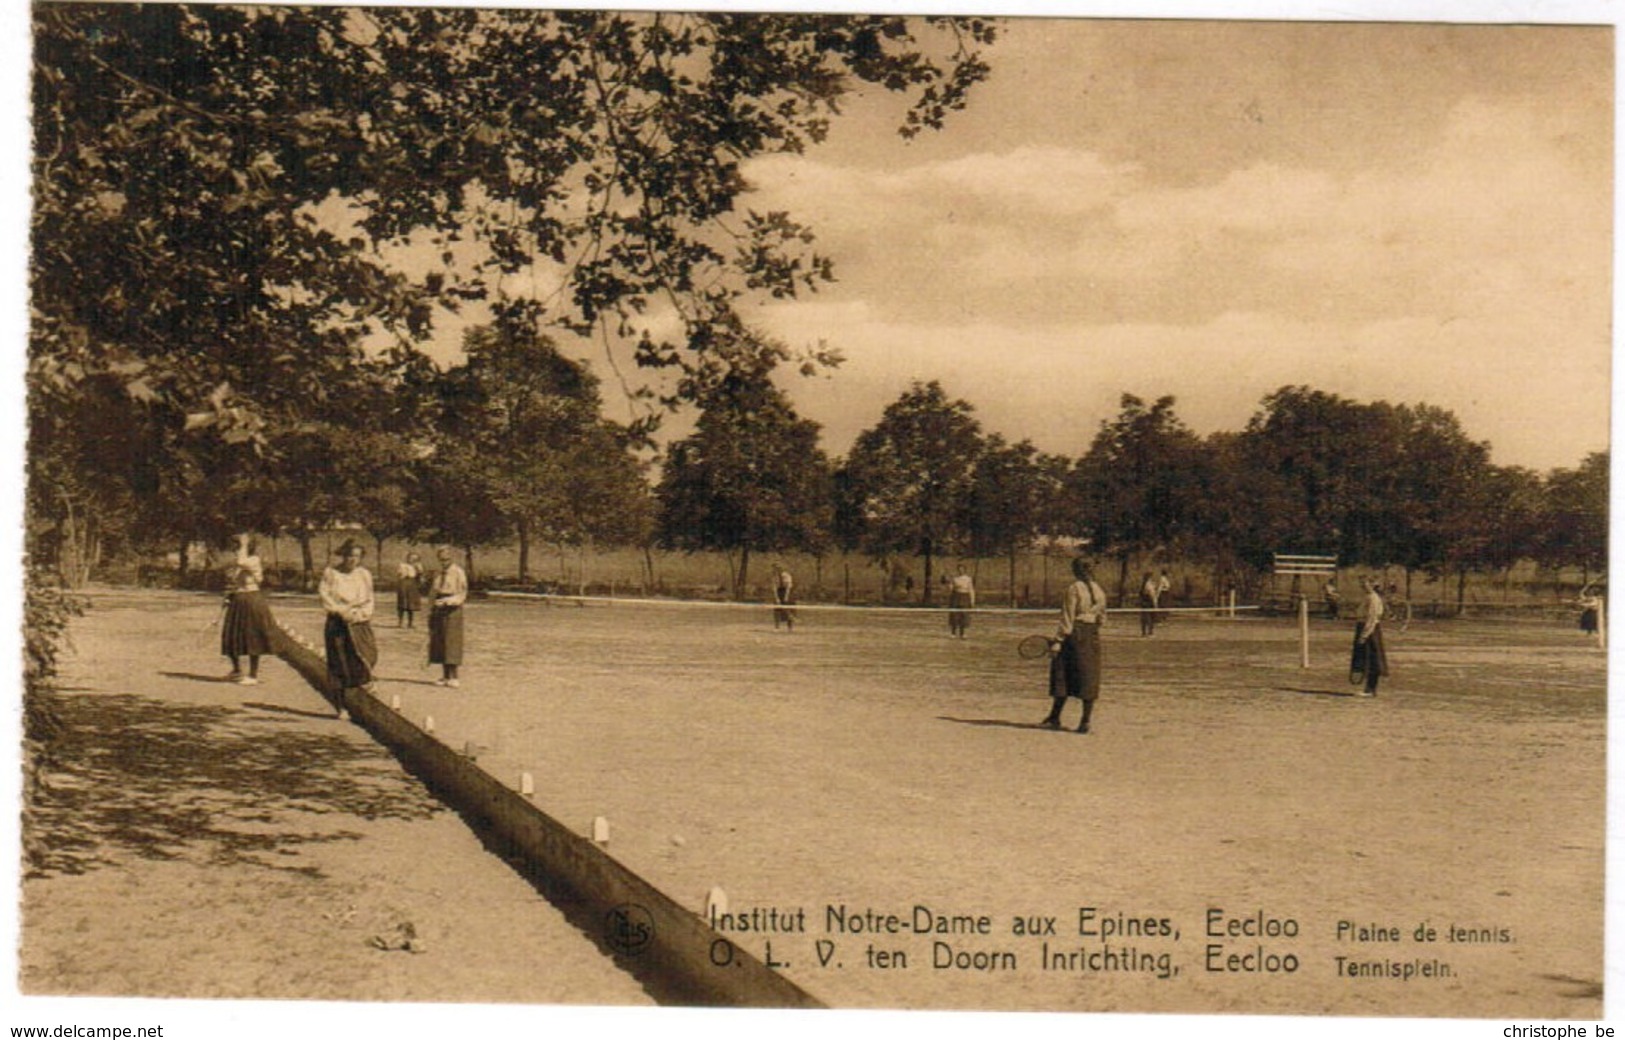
(716, 902)
(1602, 623)
(527, 785)
(1319, 565)
(1303, 631)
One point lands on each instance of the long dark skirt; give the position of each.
(783, 614)
(408, 596)
(958, 618)
(1367, 655)
(446, 635)
(1074, 671)
(246, 629)
(352, 650)
(1588, 621)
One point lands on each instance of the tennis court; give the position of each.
(866, 774)
(869, 761)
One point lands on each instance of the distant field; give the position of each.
(853, 577)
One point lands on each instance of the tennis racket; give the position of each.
(1034, 646)
(214, 622)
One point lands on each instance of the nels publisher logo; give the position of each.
(629, 928)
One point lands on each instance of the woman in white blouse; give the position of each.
(448, 594)
(1368, 660)
(1075, 667)
(346, 595)
(408, 594)
(246, 630)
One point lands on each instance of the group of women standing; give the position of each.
(348, 598)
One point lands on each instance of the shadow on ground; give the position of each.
(1313, 692)
(1002, 723)
(133, 776)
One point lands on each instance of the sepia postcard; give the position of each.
(784, 519)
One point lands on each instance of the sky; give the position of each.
(1413, 211)
(1214, 209)
(1208, 209)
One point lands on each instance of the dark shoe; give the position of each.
(1084, 728)
(1051, 723)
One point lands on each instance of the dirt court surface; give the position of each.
(866, 791)
(203, 839)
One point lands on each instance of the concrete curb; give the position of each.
(647, 932)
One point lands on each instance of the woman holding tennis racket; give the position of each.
(961, 601)
(346, 595)
(1074, 671)
(784, 595)
(246, 628)
(1369, 658)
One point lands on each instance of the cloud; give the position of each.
(1036, 180)
(1055, 385)
(1499, 212)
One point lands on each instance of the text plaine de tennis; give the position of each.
(1095, 940)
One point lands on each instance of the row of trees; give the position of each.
(510, 445)
(222, 196)
(1376, 483)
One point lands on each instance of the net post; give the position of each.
(1303, 631)
(1602, 623)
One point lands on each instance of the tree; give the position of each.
(89, 468)
(751, 478)
(1508, 525)
(1577, 515)
(458, 508)
(520, 429)
(1248, 512)
(1014, 497)
(1332, 454)
(221, 193)
(1140, 484)
(1441, 489)
(910, 475)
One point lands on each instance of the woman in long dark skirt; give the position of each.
(450, 592)
(246, 629)
(347, 596)
(408, 591)
(784, 596)
(1368, 660)
(961, 601)
(1075, 667)
(1590, 604)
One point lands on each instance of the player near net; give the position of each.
(1368, 660)
(1074, 669)
(784, 598)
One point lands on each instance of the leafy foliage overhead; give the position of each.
(751, 477)
(220, 189)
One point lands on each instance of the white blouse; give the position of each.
(347, 595)
(1084, 603)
